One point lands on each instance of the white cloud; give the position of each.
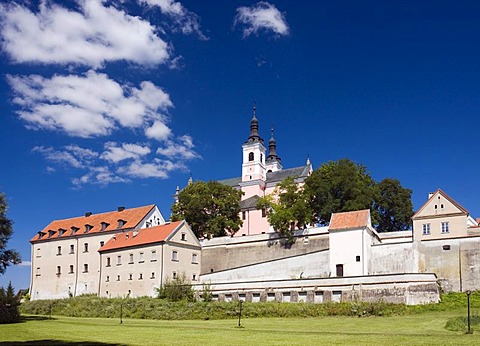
(87, 106)
(262, 16)
(183, 148)
(155, 169)
(25, 264)
(91, 36)
(115, 153)
(59, 157)
(158, 131)
(184, 20)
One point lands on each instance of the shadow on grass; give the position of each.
(55, 342)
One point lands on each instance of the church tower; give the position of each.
(273, 162)
(253, 167)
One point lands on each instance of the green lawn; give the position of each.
(419, 329)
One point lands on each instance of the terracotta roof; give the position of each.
(143, 236)
(350, 219)
(444, 194)
(132, 217)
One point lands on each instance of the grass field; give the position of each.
(417, 329)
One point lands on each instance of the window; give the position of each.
(59, 270)
(261, 157)
(102, 243)
(131, 259)
(130, 276)
(446, 247)
(61, 231)
(426, 228)
(184, 236)
(141, 259)
(445, 228)
(37, 272)
(59, 250)
(154, 256)
(107, 279)
(108, 262)
(244, 215)
(104, 225)
(153, 276)
(264, 213)
(194, 277)
(140, 277)
(121, 223)
(250, 157)
(85, 247)
(174, 256)
(119, 260)
(72, 248)
(38, 252)
(88, 228)
(339, 268)
(357, 258)
(118, 277)
(85, 268)
(194, 258)
(174, 275)
(71, 269)
(74, 230)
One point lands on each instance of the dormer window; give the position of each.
(250, 156)
(51, 233)
(74, 230)
(40, 235)
(88, 228)
(121, 223)
(61, 231)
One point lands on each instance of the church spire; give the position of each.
(254, 135)
(272, 149)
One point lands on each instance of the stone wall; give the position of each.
(226, 253)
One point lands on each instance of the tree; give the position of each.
(339, 186)
(210, 208)
(177, 289)
(393, 206)
(287, 208)
(7, 257)
(9, 305)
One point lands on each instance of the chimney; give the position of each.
(88, 213)
(430, 194)
(120, 208)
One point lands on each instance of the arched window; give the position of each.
(261, 157)
(250, 156)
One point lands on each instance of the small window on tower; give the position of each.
(250, 156)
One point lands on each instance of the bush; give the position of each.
(9, 305)
(177, 289)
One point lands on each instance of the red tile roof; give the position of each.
(349, 220)
(143, 236)
(132, 218)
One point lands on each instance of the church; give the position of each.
(131, 252)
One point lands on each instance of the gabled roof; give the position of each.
(447, 197)
(296, 172)
(131, 217)
(249, 203)
(350, 220)
(142, 236)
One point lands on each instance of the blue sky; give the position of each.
(114, 103)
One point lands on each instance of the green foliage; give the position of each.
(210, 208)
(8, 305)
(7, 257)
(287, 208)
(176, 289)
(207, 295)
(339, 186)
(393, 206)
